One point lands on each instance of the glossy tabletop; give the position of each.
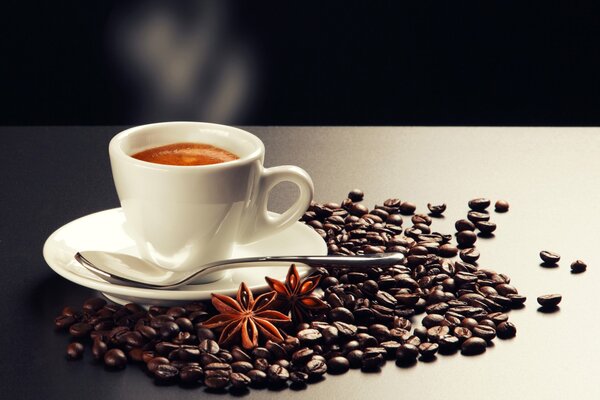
(550, 176)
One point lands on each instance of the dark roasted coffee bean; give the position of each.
(338, 365)
(277, 374)
(341, 314)
(155, 362)
(428, 350)
(462, 333)
(298, 377)
(578, 266)
(99, 349)
(476, 216)
(166, 373)
(485, 332)
(469, 255)
(216, 379)
(257, 378)
(436, 210)
(549, 257)
(168, 330)
(147, 331)
(309, 336)
(473, 346)
(385, 299)
(261, 352)
(407, 353)
(261, 364)
(204, 333)
(505, 289)
(63, 322)
(345, 330)
(466, 238)
(115, 358)
(447, 250)
(164, 348)
(74, 351)
(315, 368)
(407, 208)
(486, 227)
(93, 304)
(80, 329)
(435, 333)
(239, 380)
(372, 359)
(501, 206)
(549, 300)
(277, 351)
(355, 358)
(356, 195)
(209, 346)
(191, 374)
(506, 330)
(516, 300)
(479, 204)
(464, 225)
(448, 344)
(241, 366)
(302, 356)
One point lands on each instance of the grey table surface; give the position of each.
(551, 177)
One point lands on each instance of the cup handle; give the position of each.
(259, 223)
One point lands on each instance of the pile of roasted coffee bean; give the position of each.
(371, 316)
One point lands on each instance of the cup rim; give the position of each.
(115, 149)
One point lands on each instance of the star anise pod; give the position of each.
(245, 318)
(295, 295)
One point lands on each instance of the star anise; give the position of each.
(244, 318)
(295, 295)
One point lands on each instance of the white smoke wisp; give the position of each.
(183, 63)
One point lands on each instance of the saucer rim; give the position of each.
(145, 293)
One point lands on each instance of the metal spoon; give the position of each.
(127, 270)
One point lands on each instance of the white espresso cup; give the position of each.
(182, 217)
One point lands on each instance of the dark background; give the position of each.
(310, 62)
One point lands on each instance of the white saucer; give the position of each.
(104, 231)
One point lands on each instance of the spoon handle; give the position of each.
(352, 262)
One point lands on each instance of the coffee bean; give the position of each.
(549, 301)
(407, 353)
(476, 216)
(166, 373)
(239, 380)
(407, 208)
(74, 351)
(447, 251)
(466, 238)
(428, 350)
(309, 336)
(63, 322)
(506, 330)
(93, 304)
(80, 329)
(115, 358)
(549, 257)
(338, 365)
(479, 204)
(99, 349)
(473, 346)
(463, 333)
(341, 314)
(486, 227)
(277, 374)
(257, 378)
(153, 364)
(448, 344)
(501, 206)
(373, 359)
(436, 210)
(578, 266)
(356, 195)
(464, 225)
(315, 368)
(190, 374)
(469, 255)
(485, 332)
(355, 358)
